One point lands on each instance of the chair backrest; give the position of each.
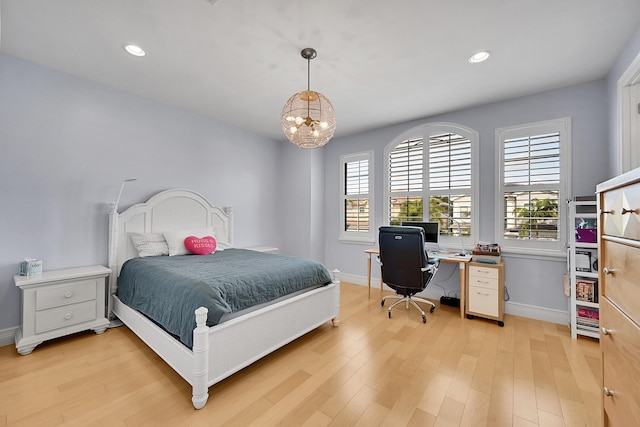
(403, 256)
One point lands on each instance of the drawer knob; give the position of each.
(607, 392)
(68, 294)
(606, 331)
(626, 211)
(68, 316)
(607, 270)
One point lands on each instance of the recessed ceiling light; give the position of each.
(479, 56)
(134, 50)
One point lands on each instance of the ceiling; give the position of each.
(380, 62)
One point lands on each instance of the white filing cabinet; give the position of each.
(61, 302)
(485, 290)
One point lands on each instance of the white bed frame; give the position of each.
(224, 349)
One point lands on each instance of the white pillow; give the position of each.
(175, 239)
(149, 244)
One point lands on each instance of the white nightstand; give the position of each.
(61, 302)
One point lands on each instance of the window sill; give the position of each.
(356, 241)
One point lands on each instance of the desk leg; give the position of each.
(369, 276)
(463, 286)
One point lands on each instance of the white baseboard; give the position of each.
(559, 317)
(7, 336)
(539, 313)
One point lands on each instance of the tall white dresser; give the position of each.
(619, 278)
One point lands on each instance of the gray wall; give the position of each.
(66, 145)
(531, 281)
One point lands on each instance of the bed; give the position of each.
(221, 350)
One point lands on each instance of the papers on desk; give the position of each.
(453, 256)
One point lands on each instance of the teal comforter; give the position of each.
(169, 289)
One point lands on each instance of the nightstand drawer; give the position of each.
(56, 318)
(59, 295)
(483, 301)
(486, 272)
(483, 282)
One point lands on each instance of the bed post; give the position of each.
(200, 374)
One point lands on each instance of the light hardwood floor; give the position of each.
(369, 371)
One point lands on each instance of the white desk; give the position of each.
(444, 257)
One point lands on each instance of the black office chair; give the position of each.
(406, 267)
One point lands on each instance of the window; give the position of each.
(533, 182)
(356, 206)
(434, 163)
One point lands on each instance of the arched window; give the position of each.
(431, 175)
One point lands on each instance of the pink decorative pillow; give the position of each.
(200, 246)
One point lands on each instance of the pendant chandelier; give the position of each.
(308, 119)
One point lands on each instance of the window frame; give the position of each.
(425, 131)
(346, 236)
(532, 246)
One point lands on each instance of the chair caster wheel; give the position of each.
(382, 303)
(389, 315)
(432, 309)
(500, 323)
(424, 319)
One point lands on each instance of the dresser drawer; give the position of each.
(622, 207)
(622, 286)
(483, 282)
(621, 363)
(483, 301)
(56, 318)
(70, 293)
(483, 272)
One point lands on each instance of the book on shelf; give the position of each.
(587, 290)
(583, 261)
(588, 314)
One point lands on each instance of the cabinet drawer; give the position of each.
(56, 318)
(483, 282)
(622, 286)
(621, 363)
(486, 272)
(483, 301)
(617, 223)
(70, 293)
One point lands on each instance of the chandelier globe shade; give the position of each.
(308, 119)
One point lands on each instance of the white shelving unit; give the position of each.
(583, 269)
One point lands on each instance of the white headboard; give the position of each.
(175, 209)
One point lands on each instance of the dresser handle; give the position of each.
(607, 271)
(480, 293)
(68, 294)
(607, 392)
(625, 211)
(68, 316)
(606, 331)
(602, 212)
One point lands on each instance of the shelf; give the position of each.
(583, 254)
(586, 275)
(579, 245)
(589, 332)
(587, 303)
